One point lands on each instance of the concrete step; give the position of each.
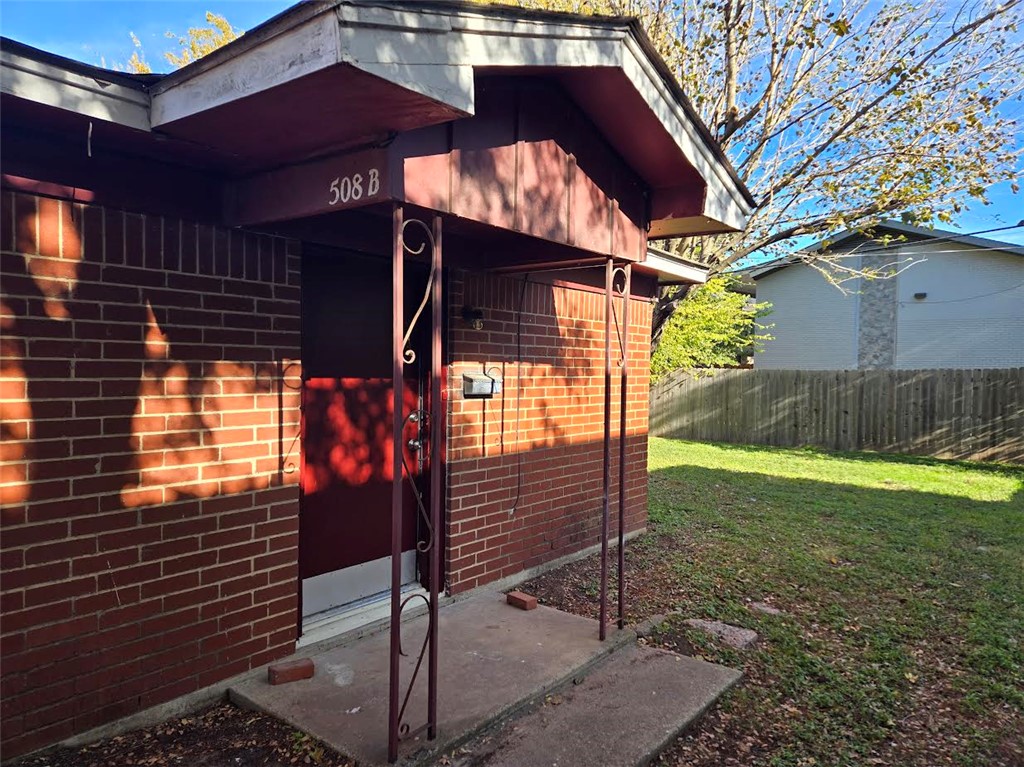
(625, 712)
(494, 660)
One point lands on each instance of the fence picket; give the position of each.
(966, 414)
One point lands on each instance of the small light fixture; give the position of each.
(920, 296)
(473, 317)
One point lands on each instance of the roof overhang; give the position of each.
(671, 269)
(331, 74)
(63, 84)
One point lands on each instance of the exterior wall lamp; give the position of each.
(473, 317)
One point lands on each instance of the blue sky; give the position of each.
(99, 33)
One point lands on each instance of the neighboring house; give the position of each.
(959, 305)
(200, 338)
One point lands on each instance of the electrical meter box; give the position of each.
(480, 385)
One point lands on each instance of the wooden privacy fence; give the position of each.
(967, 414)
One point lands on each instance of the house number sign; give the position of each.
(345, 189)
(320, 186)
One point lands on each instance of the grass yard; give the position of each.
(901, 582)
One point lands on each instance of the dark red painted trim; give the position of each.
(47, 189)
(529, 161)
(52, 165)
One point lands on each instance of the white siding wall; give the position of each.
(815, 323)
(973, 316)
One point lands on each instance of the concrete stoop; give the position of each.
(515, 688)
(624, 713)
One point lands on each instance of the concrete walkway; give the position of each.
(623, 714)
(495, 661)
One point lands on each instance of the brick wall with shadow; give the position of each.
(150, 411)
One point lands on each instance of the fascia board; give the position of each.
(405, 48)
(723, 201)
(297, 51)
(670, 269)
(434, 53)
(57, 87)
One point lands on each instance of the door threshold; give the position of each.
(340, 620)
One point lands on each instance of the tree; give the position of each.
(715, 327)
(198, 42)
(840, 113)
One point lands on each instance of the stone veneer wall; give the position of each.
(876, 316)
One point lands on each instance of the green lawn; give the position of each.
(902, 585)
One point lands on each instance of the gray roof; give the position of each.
(848, 240)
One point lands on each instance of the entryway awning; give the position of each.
(326, 78)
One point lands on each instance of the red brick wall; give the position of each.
(150, 412)
(553, 449)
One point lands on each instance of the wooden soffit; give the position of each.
(529, 161)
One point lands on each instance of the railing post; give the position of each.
(609, 271)
(437, 433)
(397, 370)
(623, 400)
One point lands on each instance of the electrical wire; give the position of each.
(866, 251)
(897, 257)
(518, 395)
(902, 249)
(951, 237)
(960, 300)
(966, 250)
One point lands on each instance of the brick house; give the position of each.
(206, 279)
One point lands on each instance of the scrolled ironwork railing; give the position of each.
(427, 543)
(408, 354)
(404, 730)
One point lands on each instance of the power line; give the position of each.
(951, 237)
(967, 250)
(801, 255)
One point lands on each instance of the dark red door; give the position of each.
(346, 479)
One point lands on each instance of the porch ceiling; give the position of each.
(331, 110)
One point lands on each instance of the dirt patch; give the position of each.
(220, 736)
(652, 585)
